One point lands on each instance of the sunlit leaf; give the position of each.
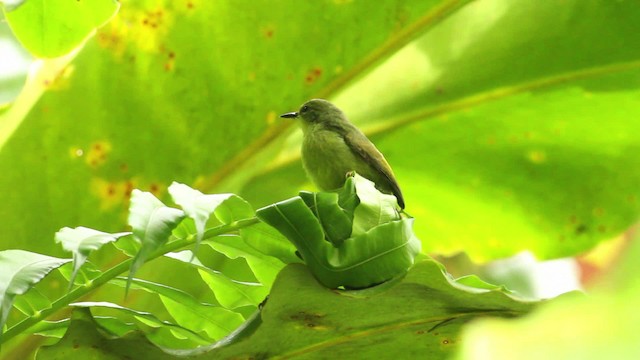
(196, 205)
(491, 140)
(81, 241)
(21, 270)
(214, 320)
(32, 302)
(601, 324)
(144, 316)
(152, 223)
(84, 340)
(52, 29)
(420, 316)
(230, 293)
(265, 268)
(57, 329)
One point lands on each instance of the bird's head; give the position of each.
(317, 111)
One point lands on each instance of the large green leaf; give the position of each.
(602, 325)
(509, 125)
(185, 91)
(419, 316)
(50, 28)
(507, 134)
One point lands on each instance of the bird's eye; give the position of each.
(304, 108)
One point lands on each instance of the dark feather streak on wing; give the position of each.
(361, 145)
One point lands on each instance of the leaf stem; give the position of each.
(116, 271)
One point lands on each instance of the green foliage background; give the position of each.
(510, 125)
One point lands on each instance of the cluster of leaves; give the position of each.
(510, 126)
(354, 238)
(157, 230)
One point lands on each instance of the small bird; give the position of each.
(332, 147)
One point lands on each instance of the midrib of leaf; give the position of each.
(498, 93)
(427, 112)
(390, 328)
(394, 43)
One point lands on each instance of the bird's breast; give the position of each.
(327, 158)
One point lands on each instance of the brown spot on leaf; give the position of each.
(581, 229)
(154, 189)
(98, 153)
(128, 188)
(313, 75)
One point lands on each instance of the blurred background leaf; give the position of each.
(602, 325)
(509, 125)
(52, 28)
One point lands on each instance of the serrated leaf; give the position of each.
(196, 205)
(152, 223)
(81, 241)
(265, 268)
(259, 236)
(32, 302)
(215, 321)
(129, 246)
(85, 275)
(84, 340)
(57, 329)
(21, 270)
(233, 209)
(268, 241)
(147, 317)
(230, 293)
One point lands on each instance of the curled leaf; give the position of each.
(376, 246)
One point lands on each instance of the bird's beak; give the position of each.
(290, 115)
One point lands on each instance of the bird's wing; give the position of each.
(360, 145)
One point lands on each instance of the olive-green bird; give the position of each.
(332, 147)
